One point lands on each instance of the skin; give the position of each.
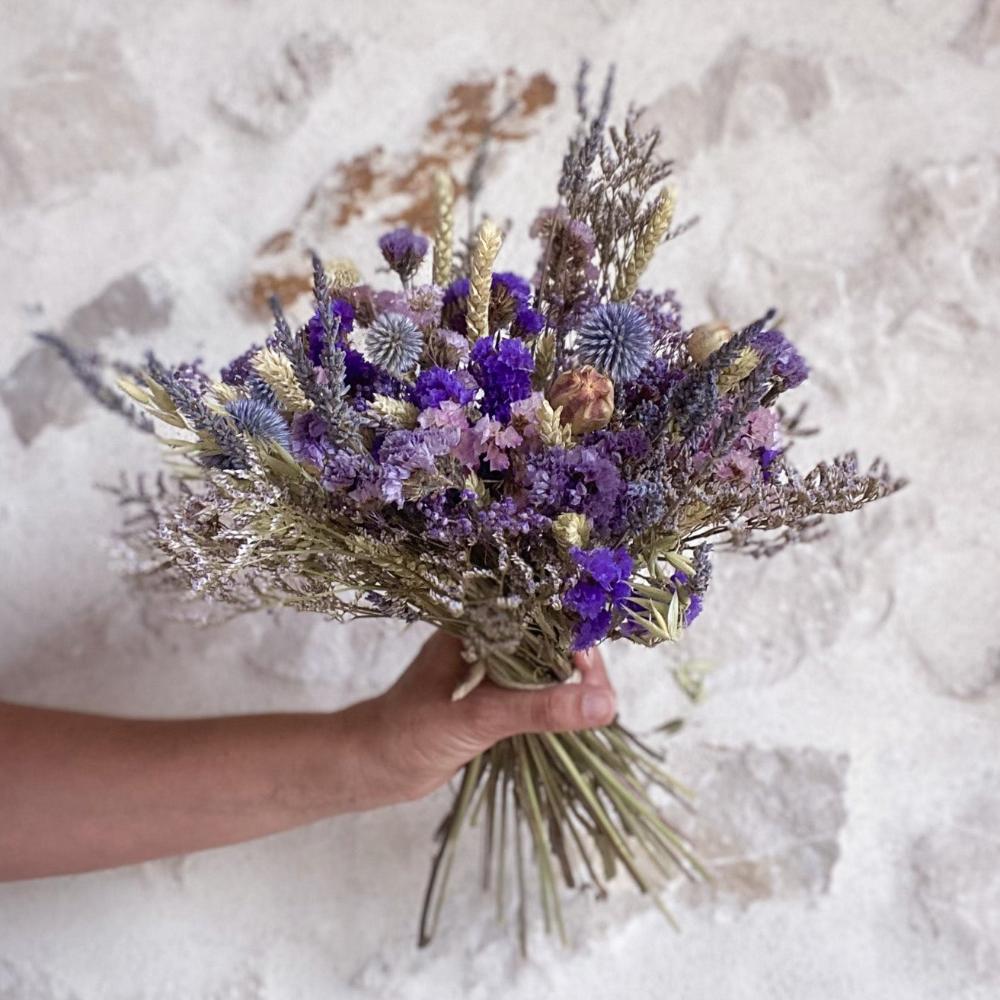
(82, 792)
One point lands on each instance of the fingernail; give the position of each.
(596, 707)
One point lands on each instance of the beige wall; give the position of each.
(844, 160)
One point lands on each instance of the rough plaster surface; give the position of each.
(162, 168)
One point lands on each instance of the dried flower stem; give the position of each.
(444, 228)
(484, 253)
(647, 240)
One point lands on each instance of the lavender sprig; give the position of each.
(85, 368)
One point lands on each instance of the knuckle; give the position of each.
(485, 719)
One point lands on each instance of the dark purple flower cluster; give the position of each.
(365, 379)
(403, 250)
(527, 323)
(448, 516)
(579, 480)
(435, 386)
(309, 440)
(601, 589)
(786, 363)
(342, 320)
(510, 298)
(339, 469)
(238, 371)
(505, 519)
(454, 306)
(503, 374)
(647, 399)
(663, 314)
(696, 600)
(632, 443)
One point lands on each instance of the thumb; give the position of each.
(557, 709)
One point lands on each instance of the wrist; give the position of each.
(370, 778)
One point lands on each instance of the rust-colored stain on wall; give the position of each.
(359, 186)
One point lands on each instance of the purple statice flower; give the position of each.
(403, 250)
(615, 338)
(590, 631)
(488, 439)
(403, 453)
(510, 297)
(365, 379)
(342, 320)
(504, 375)
(512, 285)
(601, 588)
(693, 609)
(447, 517)
(696, 600)
(239, 370)
(766, 457)
(786, 363)
(435, 385)
(580, 480)
(343, 469)
(193, 376)
(509, 294)
(632, 443)
(454, 305)
(423, 306)
(663, 314)
(505, 519)
(309, 441)
(527, 323)
(339, 469)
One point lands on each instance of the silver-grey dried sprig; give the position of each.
(86, 370)
(329, 397)
(232, 449)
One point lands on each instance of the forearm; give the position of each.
(79, 792)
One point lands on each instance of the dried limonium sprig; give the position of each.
(534, 466)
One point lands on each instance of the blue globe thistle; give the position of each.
(615, 339)
(259, 420)
(394, 342)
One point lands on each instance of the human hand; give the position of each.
(83, 791)
(417, 737)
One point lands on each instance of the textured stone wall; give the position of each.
(162, 168)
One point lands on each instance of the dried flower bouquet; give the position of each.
(535, 466)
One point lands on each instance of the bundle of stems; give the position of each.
(581, 801)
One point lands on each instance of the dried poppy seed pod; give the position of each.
(586, 396)
(706, 339)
